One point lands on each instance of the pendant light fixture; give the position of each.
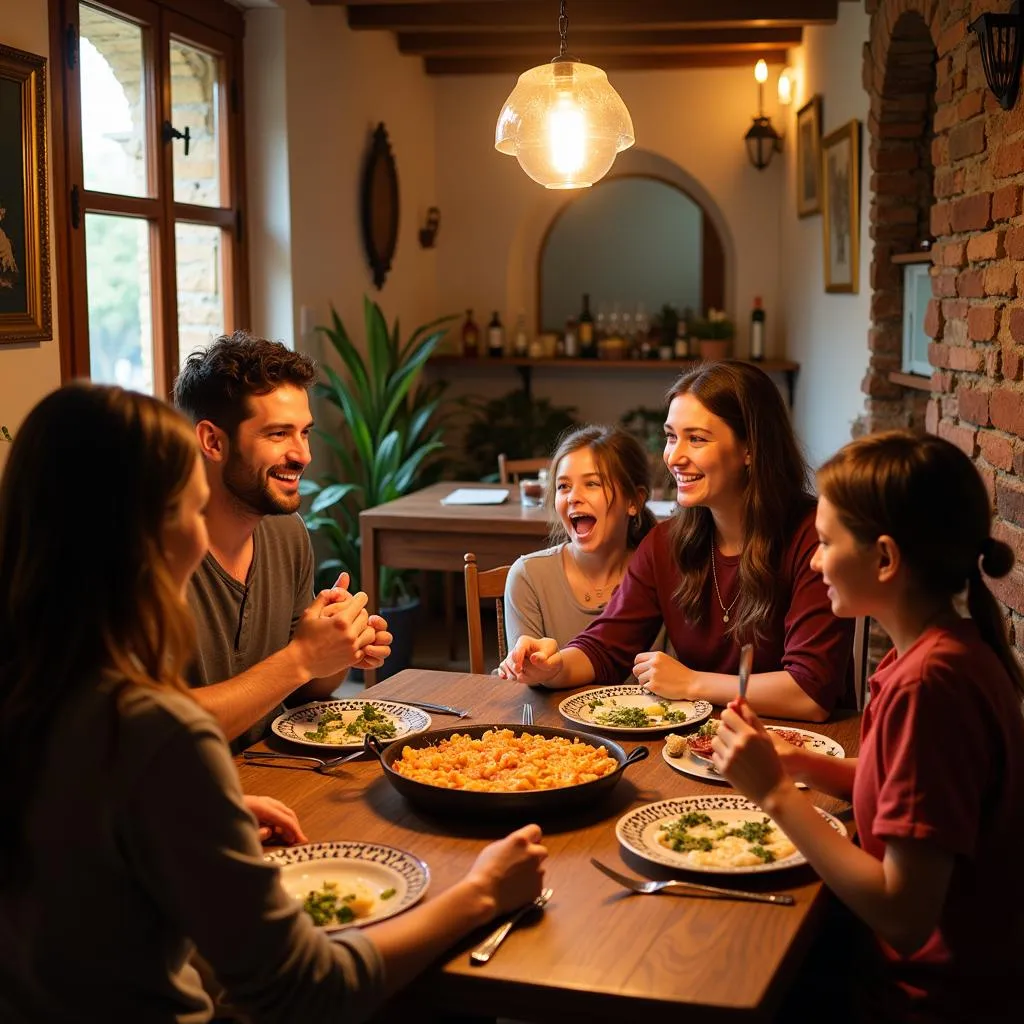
(563, 121)
(762, 139)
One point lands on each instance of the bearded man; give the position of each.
(262, 636)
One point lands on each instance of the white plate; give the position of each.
(296, 724)
(577, 709)
(638, 831)
(698, 767)
(367, 866)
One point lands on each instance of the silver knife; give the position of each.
(444, 709)
(746, 661)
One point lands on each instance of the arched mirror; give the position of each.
(630, 241)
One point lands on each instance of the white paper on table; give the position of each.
(476, 496)
(662, 509)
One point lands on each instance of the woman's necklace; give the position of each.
(718, 593)
(609, 584)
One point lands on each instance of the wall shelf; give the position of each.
(525, 367)
(902, 258)
(911, 380)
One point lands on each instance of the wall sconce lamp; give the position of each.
(762, 139)
(428, 233)
(787, 86)
(1001, 39)
(563, 121)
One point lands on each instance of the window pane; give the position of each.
(113, 104)
(119, 299)
(200, 250)
(195, 83)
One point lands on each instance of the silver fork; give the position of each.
(527, 714)
(489, 946)
(645, 886)
(320, 764)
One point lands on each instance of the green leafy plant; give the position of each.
(388, 437)
(716, 326)
(518, 425)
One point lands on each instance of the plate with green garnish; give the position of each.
(722, 834)
(632, 710)
(346, 884)
(343, 724)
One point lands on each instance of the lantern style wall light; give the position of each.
(762, 139)
(563, 121)
(1001, 40)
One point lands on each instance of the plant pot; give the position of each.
(714, 349)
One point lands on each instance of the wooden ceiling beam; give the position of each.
(584, 44)
(704, 58)
(596, 15)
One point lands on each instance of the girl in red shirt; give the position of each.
(938, 786)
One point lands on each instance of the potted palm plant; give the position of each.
(388, 438)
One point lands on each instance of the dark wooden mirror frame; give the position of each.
(378, 205)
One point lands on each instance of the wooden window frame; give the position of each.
(207, 24)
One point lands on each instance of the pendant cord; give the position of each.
(563, 30)
(718, 593)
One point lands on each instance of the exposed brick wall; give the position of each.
(969, 155)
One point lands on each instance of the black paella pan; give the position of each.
(441, 800)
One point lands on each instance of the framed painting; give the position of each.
(840, 153)
(25, 313)
(808, 158)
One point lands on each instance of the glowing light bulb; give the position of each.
(786, 86)
(761, 71)
(567, 135)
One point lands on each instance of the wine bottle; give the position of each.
(585, 330)
(495, 336)
(757, 331)
(470, 336)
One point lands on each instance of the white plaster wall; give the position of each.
(28, 371)
(825, 333)
(689, 128)
(328, 88)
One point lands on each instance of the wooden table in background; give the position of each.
(597, 953)
(418, 532)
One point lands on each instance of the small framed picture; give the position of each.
(840, 153)
(24, 239)
(808, 158)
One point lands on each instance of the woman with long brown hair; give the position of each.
(730, 567)
(600, 480)
(938, 784)
(127, 841)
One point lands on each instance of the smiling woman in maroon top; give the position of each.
(731, 566)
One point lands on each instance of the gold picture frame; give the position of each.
(808, 158)
(25, 312)
(840, 190)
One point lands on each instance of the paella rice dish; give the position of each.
(502, 762)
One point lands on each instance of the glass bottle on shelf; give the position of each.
(570, 344)
(470, 336)
(757, 331)
(495, 336)
(585, 331)
(521, 344)
(601, 324)
(682, 343)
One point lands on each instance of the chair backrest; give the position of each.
(861, 647)
(509, 470)
(481, 586)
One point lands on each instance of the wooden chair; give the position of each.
(861, 648)
(481, 586)
(509, 470)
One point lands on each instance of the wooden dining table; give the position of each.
(598, 952)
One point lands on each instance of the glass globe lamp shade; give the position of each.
(564, 123)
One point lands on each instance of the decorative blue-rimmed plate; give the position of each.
(639, 830)
(702, 768)
(298, 724)
(609, 707)
(387, 880)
